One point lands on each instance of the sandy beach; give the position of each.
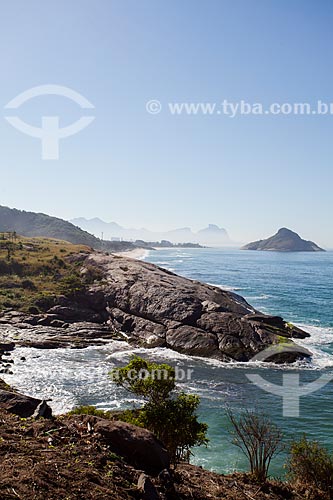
(136, 253)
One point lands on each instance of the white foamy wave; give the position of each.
(158, 353)
(319, 335)
(69, 377)
(263, 296)
(163, 354)
(227, 288)
(321, 338)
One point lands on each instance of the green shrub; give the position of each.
(28, 285)
(43, 302)
(310, 464)
(92, 274)
(149, 380)
(170, 417)
(175, 423)
(33, 310)
(71, 285)
(90, 410)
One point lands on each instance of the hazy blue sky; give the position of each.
(250, 174)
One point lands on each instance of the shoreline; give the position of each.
(136, 253)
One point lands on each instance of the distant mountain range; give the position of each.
(212, 235)
(284, 240)
(78, 231)
(116, 238)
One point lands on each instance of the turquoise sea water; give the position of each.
(297, 286)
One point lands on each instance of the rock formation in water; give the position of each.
(152, 307)
(284, 240)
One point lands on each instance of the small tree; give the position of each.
(149, 380)
(175, 423)
(258, 438)
(310, 464)
(171, 418)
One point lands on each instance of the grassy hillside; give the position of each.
(35, 270)
(34, 225)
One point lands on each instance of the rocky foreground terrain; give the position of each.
(143, 304)
(115, 297)
(82, 457)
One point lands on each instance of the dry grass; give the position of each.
(33, 269)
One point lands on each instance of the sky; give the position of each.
(250, 174)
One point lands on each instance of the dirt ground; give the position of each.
(60, 460)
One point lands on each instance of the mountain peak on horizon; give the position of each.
(210, 235)
(212, 227)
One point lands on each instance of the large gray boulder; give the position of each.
(152, 307)
(136, 445)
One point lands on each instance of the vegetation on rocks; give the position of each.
(33, 271)
(91, 410)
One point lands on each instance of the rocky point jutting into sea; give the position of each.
(148, 306)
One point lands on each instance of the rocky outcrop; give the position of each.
(138, 446)
(284, 240)
(24, 406)
(152, 307)
(28, 333)
(5, 350)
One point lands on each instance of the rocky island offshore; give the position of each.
(55, 294)
(284, 240)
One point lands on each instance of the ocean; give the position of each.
(297, 286)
